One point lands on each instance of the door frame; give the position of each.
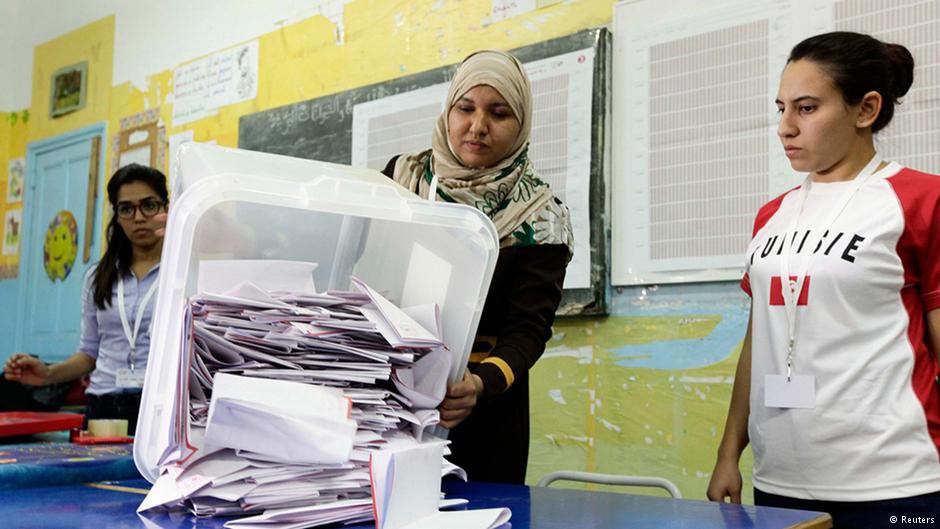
(33, 151)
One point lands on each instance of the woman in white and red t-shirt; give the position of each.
(836, 388)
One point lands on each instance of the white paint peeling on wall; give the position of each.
(556, 396)
(707, 380)
(583, 354)
(610, 426)
(583, 439)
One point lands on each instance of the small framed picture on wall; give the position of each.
(68, 89)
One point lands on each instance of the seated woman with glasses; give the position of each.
(117, 303)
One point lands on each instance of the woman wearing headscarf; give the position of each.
(479, 157)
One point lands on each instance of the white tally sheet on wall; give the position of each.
(695, 152)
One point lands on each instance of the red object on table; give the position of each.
(30, 422)
(101, 439)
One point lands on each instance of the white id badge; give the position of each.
(127, 378)
(798, 392)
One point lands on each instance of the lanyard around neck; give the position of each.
(132, 336)
(791, 292)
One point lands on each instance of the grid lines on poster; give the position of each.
(549, 147)
(911, 137)
(708, 141)
(403, 132)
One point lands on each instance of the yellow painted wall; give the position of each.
(13, 132)
(5, 130)
(93, 43)
(383, 40)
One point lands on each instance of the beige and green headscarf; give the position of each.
(520, 204)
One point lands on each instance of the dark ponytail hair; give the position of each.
(116, 261)
(859, 64)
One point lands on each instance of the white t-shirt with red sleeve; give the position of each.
(874, 433)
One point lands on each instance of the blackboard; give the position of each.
(321, 129)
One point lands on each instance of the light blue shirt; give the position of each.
(103, 335)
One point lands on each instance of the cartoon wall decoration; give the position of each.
(61, 246)
(16, 170)
(12, 224)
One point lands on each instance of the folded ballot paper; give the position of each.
(395, 325)
(296, 422)
(291, 402)
(406, 482)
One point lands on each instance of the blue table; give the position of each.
(113, 505)
(49, 459)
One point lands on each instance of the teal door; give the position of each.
(53, 261)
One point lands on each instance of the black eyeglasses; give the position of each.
(148, 208)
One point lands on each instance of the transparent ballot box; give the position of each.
(236, 204)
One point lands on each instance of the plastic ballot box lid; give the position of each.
(236, 204)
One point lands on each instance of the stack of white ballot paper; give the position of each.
(292, 407)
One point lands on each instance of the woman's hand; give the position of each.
(26, 369)
(726, 481)
(460, 400)
(160, 218)
(726, 478)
